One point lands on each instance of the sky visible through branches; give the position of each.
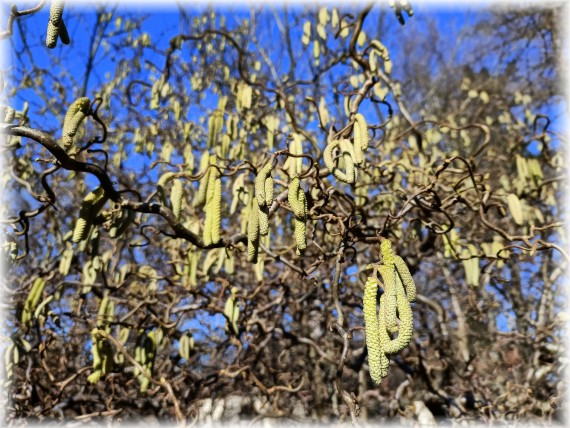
(161, 23)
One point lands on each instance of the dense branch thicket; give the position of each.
(205, 207)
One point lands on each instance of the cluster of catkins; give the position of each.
(395, 314)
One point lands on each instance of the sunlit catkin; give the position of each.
(405, 329)
(293, 197)
(390, 305)
(298, 202)
(76, 113)
(260, 183)
(56, 26)
(253, 233)
(269, 183)
(90, 206)
(348, 156)
(376, 356)
(176, 196)
(327, 154)
(212, 208)
(395, 313)
(387, 252)
(216, 211)
(205, 169)
(406, 278)
(263, 221)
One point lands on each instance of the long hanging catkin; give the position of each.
(395, 314)
(76, 113)
(264, 195)
(176, 197)
(56, 27)
(213, 208)
(90, 206)
(253, 233)
(298, 202)
(377, 360)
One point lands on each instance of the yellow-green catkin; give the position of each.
(390, 305)
(260, 184)
(216, 225)
(405, 328)
(56, 27)
(176, 197)
(294, 165)
(372, 331)
(298, 202)
(76, 113)
(395, 314)
(263, 214)
(327, 154)
(348, 156)
(213, 207)
(268, 200)
(301, 224)
(361, 131)
(32, 300)
(269, 183)
(205, 180)
(387, 252)
(406, 278)
(293, 197)
(253, 233)
(89, 209)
